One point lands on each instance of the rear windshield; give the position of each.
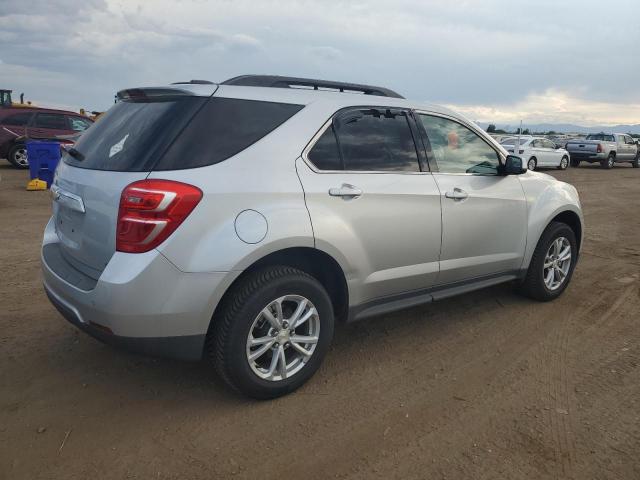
(600, 136)
(132, 134)
(175, 133)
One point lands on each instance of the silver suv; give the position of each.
(239, 221)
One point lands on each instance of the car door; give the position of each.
(552, 154)
(621, 147)
(372, 206)
(48, 125)
(484, 213)
(629, 145)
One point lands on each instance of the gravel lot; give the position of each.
(489, 385)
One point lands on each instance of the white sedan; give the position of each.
(538, 152)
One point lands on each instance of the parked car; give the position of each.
(538, 152)
(605, 148)
(18, 124)
(239, 221)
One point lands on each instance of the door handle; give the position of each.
(457, 194)
(346, 190)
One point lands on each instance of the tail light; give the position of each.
(150, 211)
(599, 148)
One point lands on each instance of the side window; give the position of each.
(79, 124)
(324, 154)
(222, 128)
(457, 149)
(51, 120)
(549, 144)
(18, 120)
(376, 140)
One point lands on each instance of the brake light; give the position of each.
(150, 211)
(599, 148)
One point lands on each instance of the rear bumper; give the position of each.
(186, 347)
(587, 156)
(141, 302)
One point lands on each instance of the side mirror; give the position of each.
(513, 166)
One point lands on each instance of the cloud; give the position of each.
(553, 106)
(494, 56)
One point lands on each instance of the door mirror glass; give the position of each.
(513, 165)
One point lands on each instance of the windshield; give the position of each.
(600, 136)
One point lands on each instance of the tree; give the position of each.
(491, 128)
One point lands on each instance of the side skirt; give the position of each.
(392, 303)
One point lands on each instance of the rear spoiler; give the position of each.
(159, 93)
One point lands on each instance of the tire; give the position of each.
(241, 315)
(18, 156)
(532, 163)
(564, 163)
(636, 162)
(609, 162)
(575, 162)
(534, 284)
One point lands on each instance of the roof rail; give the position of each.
(276, 81)
(194, 82)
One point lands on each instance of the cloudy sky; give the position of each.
(554, 61)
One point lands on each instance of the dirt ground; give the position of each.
(486, 386)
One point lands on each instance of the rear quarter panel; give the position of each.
(261, 178)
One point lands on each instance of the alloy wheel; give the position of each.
(20, 157)
(283, 337)
(557, 263)
(532, 164)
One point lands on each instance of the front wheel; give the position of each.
(564, 163)
(636, 162)
(531, 164)
(18, 156)
(272, 332)
(552, 264)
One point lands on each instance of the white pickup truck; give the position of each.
(605, 148)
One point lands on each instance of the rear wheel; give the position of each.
(531, 164)
(564, 163)
(272, 332)
(608, 163)
(552, 263)
(636, 162)
(575, 162)
(18, 156)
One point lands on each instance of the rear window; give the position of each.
(223, 128)
(133, 133)
(173, 133)
(17, 119)
(512, 141)
(600, 136)
(54, 121)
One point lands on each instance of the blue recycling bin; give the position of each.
(43, 159)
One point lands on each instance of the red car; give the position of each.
(18, 124)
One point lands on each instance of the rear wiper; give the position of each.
(74, 153)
